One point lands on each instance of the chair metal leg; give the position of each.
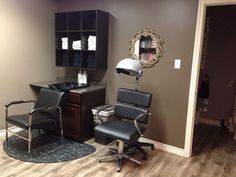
(118, 164)
(62, 138)
(6, 126)
(120, 146)
(61, 125)
(6, 141)
(113, 150)
(29, 134)
(140, 149)
(108, 157)
(131, 159)
(29, 140)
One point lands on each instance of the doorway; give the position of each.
(217, 70)
(217, 67)
(203, 4)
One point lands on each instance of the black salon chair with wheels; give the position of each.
(45, 114)
(130, 115)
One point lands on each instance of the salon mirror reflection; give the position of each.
(146, 47)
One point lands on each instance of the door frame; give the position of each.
(201, 14)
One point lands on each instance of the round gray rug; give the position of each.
(46, 148)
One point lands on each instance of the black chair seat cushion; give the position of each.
(38, 120)
(118, 129)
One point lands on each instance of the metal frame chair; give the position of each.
(44, 114)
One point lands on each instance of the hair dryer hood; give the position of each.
(130, 67)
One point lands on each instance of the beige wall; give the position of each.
(27, 53)
(175, 22)
(26, 48)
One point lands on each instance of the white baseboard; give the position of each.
(166, 147)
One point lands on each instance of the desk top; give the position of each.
(93, 86)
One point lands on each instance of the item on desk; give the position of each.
(67, 86)
(84, 79)
(80, 76)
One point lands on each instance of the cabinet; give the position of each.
(78, 121)
(82, 39)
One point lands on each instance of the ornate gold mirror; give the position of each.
(146, 47)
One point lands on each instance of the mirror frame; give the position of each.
(159, 50)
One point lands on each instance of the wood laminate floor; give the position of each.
(214, 155)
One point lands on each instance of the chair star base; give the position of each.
(117, 155)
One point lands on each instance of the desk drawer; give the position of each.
(72, 98)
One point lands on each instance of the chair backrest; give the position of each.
(49, 97)
(131, 103)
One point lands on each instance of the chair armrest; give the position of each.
(35, 110)
(18, 102)
(43, 109)
(136, 121)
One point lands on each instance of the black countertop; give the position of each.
(92, 86)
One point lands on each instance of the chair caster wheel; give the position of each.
(118, 170)
(99, 161)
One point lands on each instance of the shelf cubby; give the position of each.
(59, 36)
(89, 59)
(62, 58)
(75, 59)
(89, 20)
(74, 22)
(80, 26)
(61, 21)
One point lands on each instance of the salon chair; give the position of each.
(128, 125)
(45, 114)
